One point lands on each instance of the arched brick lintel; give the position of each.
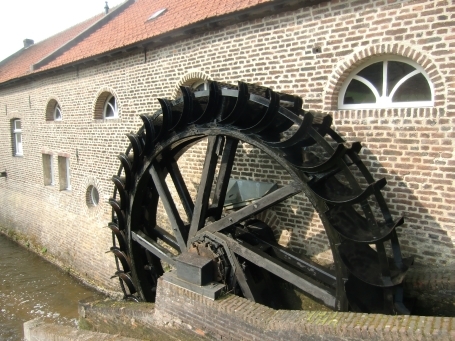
(100, 100)
(50, 106)
(343, 69)
(188, 79)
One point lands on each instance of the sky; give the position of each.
(41, 19)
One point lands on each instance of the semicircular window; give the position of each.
(388, 83)
(53, 110)
(110, 108)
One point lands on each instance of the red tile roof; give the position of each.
(19, 64)
(130, 26)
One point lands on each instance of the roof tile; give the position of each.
(18, 65)
(129, 26)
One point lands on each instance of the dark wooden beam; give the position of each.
(253, 209)
(152, 246)
(171, 210)
(205, 186)
(267, 262)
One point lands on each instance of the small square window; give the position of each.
(48, 170)
(64, 173)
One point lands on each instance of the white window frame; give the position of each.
(17, 135)
(109, 105)
(384, 102)
(58, 113)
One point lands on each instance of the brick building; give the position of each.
(382, 69)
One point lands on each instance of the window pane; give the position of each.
(358, 93)
(395, 72)
(200, 86)
(373, 73)
(415, 88)
(109, 111)
(111, 108)
(112, 101)
(95, 196)
(18, 146)
(17, 124)
(57, 113)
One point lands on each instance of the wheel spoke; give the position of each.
(257, 207)
(166, 237)
(205, 186)
(227, 162)
(181, 188)
(152, 246)
(282, 270)
(171, 210)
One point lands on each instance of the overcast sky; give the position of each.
(40, 19)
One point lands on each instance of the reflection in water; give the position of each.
(31, 287)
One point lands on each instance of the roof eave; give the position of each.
(212, 23)
(81, 36)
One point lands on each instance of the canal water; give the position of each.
(31, 287)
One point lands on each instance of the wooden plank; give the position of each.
(152, 246)
(255, 208)
(166, 237)
(181, 188)
(174, 218)
(227, 162)
(267, 262)
(205, 186)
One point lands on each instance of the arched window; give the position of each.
(200, 85)
(53, 111)
(110, 108)
(106, 106)
(194, 79)
(390, 82)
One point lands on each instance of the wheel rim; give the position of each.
(216, 115)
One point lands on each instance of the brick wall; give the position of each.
(235, 318)
(411, 147)
(184, 315)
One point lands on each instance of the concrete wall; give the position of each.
(411, 147)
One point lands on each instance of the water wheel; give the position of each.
(153, 183)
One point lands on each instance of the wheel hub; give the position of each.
(212, 250)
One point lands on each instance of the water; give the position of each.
(31, 287)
